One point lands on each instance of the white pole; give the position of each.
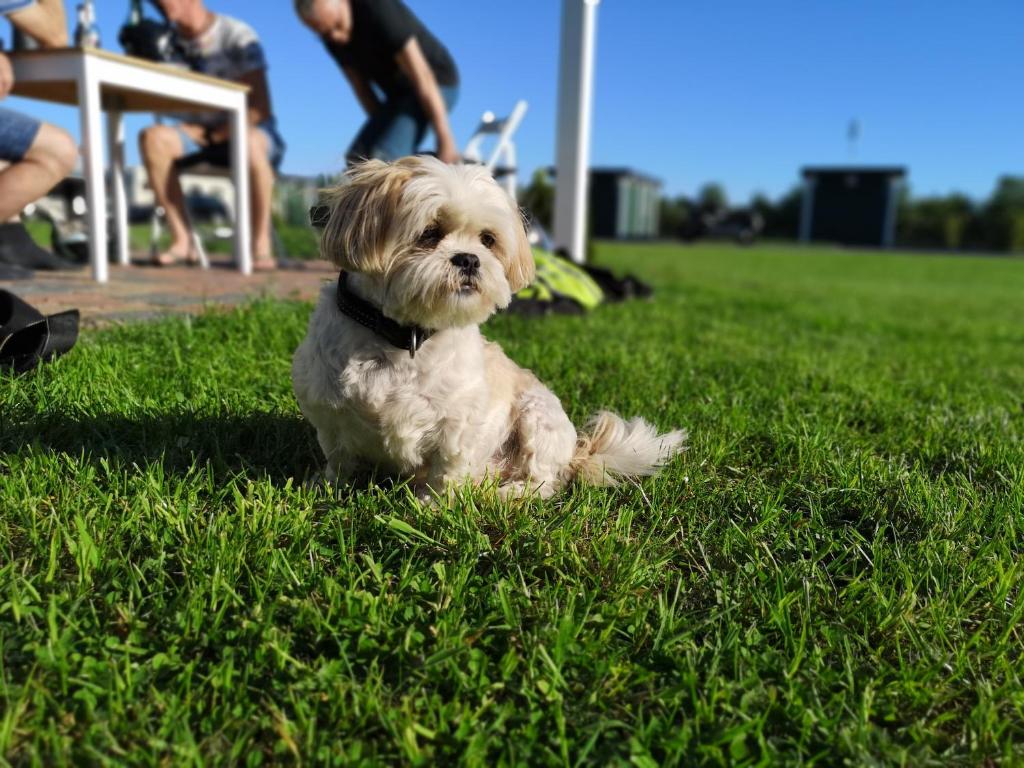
(576, 76)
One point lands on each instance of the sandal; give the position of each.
(28, 338)
(170, 258)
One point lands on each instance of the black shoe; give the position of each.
(12, 272)
(18, 248)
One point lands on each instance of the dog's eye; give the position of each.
(430, 237)
(487, 239)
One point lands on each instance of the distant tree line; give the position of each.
(538, 198)
(681, 217)
(956, 222)
(951, 222)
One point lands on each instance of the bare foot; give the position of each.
(264, 264)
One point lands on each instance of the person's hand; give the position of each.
(447, 151)
(6, 76)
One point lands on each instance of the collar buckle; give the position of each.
(410, 337)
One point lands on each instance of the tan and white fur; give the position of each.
(444, 247)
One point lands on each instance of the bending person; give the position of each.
(402, 75)
(223, 47)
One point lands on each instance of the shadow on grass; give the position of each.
(271, 445)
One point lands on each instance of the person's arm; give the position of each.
(6, 76)
(364, 92)
(414, 65)
(44, 22)
(259, 95)
(258, 102)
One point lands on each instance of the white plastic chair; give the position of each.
(501, 161)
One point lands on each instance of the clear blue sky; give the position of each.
(739, 91)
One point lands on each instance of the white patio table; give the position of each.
(98, 80)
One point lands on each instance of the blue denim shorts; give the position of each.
(275, 144)
(10, 6)
(17, 132)
(397, 128)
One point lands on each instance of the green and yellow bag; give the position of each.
(560, 286)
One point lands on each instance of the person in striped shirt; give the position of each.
(227, 48)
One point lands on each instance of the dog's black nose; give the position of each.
(468, 263)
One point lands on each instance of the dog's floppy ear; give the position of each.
(519, 267)
(357, 236)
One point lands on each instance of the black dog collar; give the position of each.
(410, 337)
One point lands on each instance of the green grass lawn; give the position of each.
(831, 573)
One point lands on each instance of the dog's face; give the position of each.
(444, 242)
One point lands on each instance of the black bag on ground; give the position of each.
(28, 338)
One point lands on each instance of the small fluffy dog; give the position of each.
(394, 372)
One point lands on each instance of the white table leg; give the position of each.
(92, 149)
(115, 151)
(240, 177)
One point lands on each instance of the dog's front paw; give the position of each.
(438, 495)
(428, 498)
(314, 482)
(319, 481)
(518, 489)
(326, 480)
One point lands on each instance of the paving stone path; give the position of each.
(143, 292)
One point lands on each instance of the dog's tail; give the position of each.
(610, 449)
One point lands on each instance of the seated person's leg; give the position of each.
(266, 150)
(263, 154)
(39, 155)
(34, 156)
(160, 146)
